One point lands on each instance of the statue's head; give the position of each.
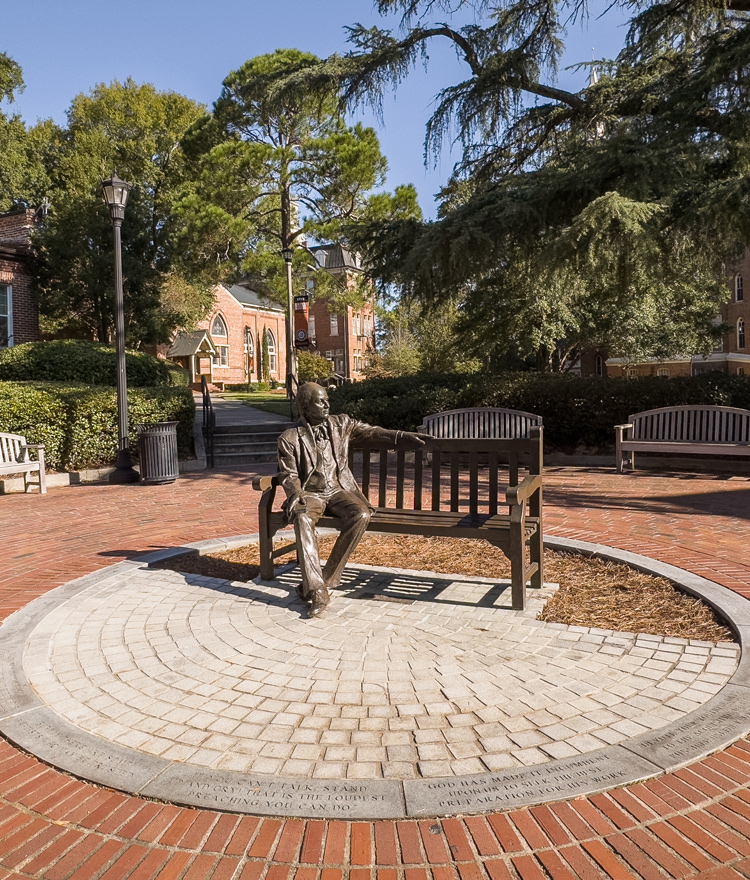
(312, 402)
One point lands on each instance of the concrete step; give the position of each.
(234, 459)
(241, 448)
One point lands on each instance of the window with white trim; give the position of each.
(334, 325)
(271, 351)
(311, 326)
(740, 333)
(599, 366)
(663, 372)
(219, 329)
(6, 316)
(739, 288)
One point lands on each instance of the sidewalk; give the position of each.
(234, 412)
(694, 822)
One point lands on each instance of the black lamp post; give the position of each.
(291, 372)
(115, 193)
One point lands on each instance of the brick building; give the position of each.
(19, 317)
(346, 338)
(731, 356)
(226, 346)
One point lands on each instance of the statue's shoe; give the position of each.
(318, 603)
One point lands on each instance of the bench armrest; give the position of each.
(34, 446)
(623, 427)
(524, 490)
(263, 484)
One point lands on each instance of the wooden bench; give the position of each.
(480, 422)
(458, 494)
(686, 430)
(14, 459)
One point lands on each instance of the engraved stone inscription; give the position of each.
(51, 739)
(279, 797)
(553, 781)
(721, 721)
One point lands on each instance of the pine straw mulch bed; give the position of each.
(593, 592)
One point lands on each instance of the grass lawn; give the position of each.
(269, 401)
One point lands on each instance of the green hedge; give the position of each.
(579, 412)
(79, 360)
(38, 413)
(78, 424)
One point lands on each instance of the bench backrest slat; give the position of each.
(454, 479)
(481, 422)
(383, 481)
(400, 465)
(693, 424)
(11, 446)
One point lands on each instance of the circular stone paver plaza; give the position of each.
(414, 694)
(417, 695)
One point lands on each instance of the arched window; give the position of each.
(271, 351)
(740, 333)
(249, 351)
(219, 327)
(739, 288)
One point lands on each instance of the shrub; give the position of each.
(91, 440)
(578, 411)
(78, 424)
(177, 376)
(80, 360)
(37, 413)
(313, 366)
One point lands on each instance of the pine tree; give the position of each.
(597, 218)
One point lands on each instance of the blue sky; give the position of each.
(188, 46)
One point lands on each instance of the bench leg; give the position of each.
(517, 569)
(536, 553)
(42, 474)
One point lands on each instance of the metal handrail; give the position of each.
(209, 422)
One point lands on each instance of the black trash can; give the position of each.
(157, 452)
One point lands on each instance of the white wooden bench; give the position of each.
(686, 430)
(14, 459)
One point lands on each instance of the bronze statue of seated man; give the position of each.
(314, 471)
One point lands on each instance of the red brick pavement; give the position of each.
(693, 823)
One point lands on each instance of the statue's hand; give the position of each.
(295, 503)
(415, 440)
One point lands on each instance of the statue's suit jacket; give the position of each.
(298, 452)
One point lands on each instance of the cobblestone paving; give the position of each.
(408, 675)
(694, 822)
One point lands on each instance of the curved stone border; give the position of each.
(33, 726)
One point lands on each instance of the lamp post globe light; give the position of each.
(115, 192)
(291, 352)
